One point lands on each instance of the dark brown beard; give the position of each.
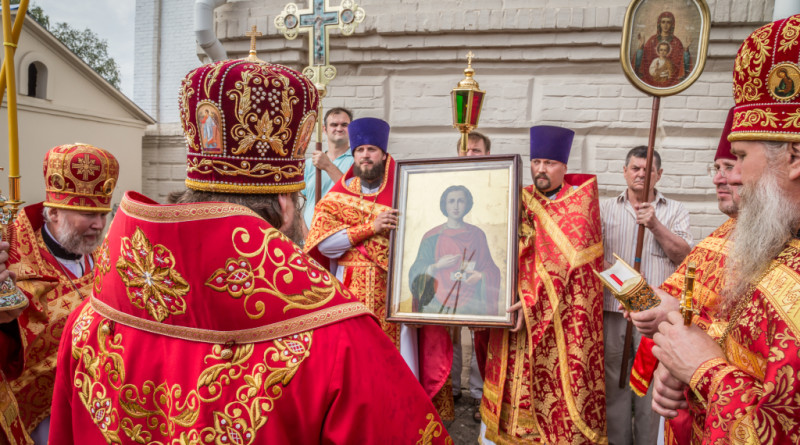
(375, 174)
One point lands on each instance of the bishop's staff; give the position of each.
(317, 21)
(10, 298)
(660, 66)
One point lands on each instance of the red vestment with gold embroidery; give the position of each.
(752, 396)
(207, 325)
(51, 290)
(548, 385)
(709, 258)
(366, 267)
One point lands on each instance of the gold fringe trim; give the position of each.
(763, 136)
(78, 208)
(244, 189)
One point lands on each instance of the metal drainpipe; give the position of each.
(204, 29)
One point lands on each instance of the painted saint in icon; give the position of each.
(454, 272)
(210, 131)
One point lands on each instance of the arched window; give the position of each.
(37, 80)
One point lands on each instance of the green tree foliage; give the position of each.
(85, 44)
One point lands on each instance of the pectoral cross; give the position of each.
(317, 21)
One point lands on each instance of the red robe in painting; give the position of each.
(468, 242)
(675, 57)
(207, 325)
(548, 384)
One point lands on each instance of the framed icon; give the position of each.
(453, 257)
(664, 44)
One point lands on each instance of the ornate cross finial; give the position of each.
(317, 20)
(253, 34)
(469, 58)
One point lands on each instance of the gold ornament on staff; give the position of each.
(687, 308)
(467, 99)
(10, 297)
(317, 21)
(663, 81)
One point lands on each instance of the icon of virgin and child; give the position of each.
(454, 273)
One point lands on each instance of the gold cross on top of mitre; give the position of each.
(253, 34)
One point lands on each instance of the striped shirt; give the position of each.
(619, 236)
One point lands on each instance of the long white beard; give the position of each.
(766, 221)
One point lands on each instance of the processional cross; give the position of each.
(317, 21)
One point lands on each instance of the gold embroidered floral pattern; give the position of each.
(271, 130)
(259, 170)
(792, 120)
(756, 117)
(102, 266)
(149, 274)
(250, 276)
(749, 63)
(789, 35)
(150, 412)
(189, 129)
(433, 429)
(236, 278)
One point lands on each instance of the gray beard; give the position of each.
(765, 224)
(74, 242)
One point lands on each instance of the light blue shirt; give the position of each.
(343, 163)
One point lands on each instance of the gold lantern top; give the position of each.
(467, 101)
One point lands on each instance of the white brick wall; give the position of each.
(547, 62)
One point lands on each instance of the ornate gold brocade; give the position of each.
(240, 278)
(150, 278)
(153, 412)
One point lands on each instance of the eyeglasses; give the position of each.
(723, 170)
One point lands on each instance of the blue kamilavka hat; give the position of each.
(369, 131)
(549, 142)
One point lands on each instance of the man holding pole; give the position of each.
(742, 382)
(333, 162)
(666, 243)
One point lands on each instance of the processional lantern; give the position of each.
(467, 100)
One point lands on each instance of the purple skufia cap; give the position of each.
(369, 131)
(548, 142)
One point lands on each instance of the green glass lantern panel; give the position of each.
(460, 102)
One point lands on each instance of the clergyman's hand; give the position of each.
(668, 394)
(386, 221)
(682, 349)
(517, 307)
(647, 321)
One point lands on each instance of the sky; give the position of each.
(112, 20)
